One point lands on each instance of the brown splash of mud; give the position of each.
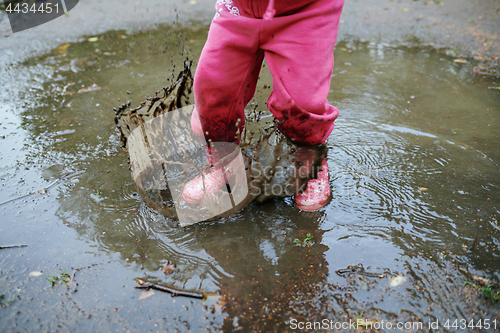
(164, 154)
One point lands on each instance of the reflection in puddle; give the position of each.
(413, 168)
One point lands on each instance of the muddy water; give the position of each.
(414, 172)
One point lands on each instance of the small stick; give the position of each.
(174, 292)
(12, 246)
(359, 272)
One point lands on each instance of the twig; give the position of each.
(68, 175)
(174, 292)
(12, 246)
(359, 272)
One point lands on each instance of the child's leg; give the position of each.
(299, 52)
(226, 76)
(225, 81)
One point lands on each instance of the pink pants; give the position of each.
(298, 48)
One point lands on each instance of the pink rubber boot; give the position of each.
(317, 192)
(209, 181)
(212, 178)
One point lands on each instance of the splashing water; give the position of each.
(164, 154)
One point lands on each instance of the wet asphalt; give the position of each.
(468, 26)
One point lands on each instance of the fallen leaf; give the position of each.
(168, 268)
(367, 323)
(193, 2)
(214, 301)
(35, 274)
(460, 61)
(93, 87)
(397, 281)
(423, 189)
(40, 192)
(63, 48)
(93, 39)
(482, 280)
(405, 9)
(478, 57)
(146, 294)
(207, 294)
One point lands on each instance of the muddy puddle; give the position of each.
(414, 173)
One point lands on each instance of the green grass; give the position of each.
(62, 278)
(488, 291)
(491, 294)
(5, 303)
(306, 242)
